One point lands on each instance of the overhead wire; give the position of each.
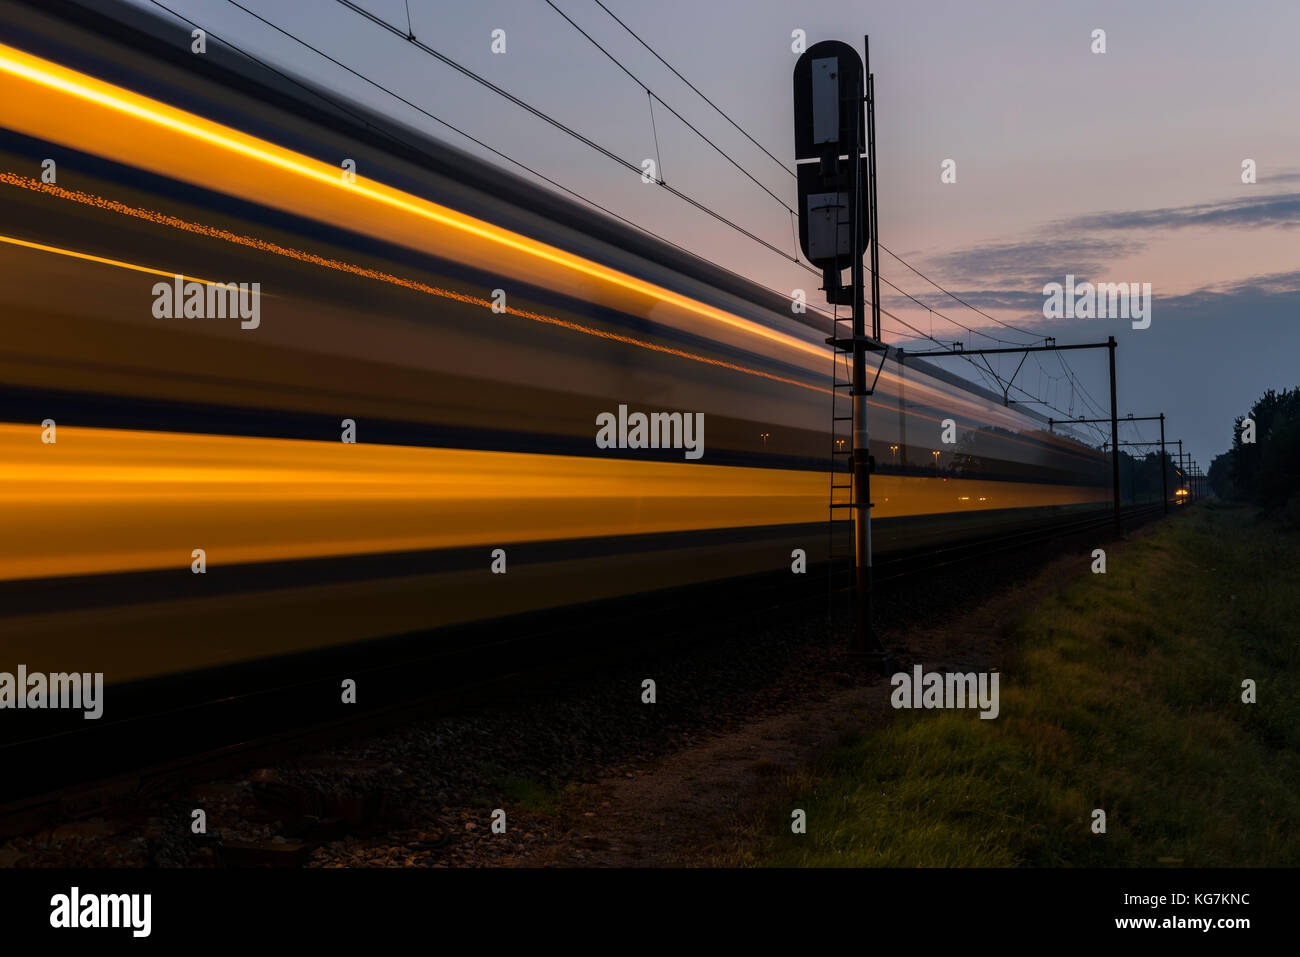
(694, 88)
(345, 108)
(896, 256)
(769, 154)
(563, 127)
(379, 21)
(632, 167)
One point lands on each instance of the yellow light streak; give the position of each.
(425, 288)
(109, 500)
(48, 100)
(90, 90)
(72, 253)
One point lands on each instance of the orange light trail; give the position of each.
(112, 500)
(253, 242)
(105, 500)
(55, 102)
(408, 283)
(59, 251)
(431, 290)
(90, 90)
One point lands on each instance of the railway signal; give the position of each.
(834, 126)
(829, 120)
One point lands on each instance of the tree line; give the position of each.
(1263, 465)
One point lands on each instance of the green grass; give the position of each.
(1124, 694)
(537, 795)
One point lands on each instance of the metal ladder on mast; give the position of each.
(840, 562)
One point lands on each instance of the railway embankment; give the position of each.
(1149, 715)
(1118, 691)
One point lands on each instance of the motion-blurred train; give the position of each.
(181, 489)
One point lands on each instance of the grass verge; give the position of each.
(1124, 694)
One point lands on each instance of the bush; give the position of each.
(1291, 514)
(1266, 471)
(1279, 469)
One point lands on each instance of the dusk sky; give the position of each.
(1123, 166)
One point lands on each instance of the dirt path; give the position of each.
(688, 808)
(696, 806)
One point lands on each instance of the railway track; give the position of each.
(910, 565)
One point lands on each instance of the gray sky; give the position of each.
(1122, 166)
